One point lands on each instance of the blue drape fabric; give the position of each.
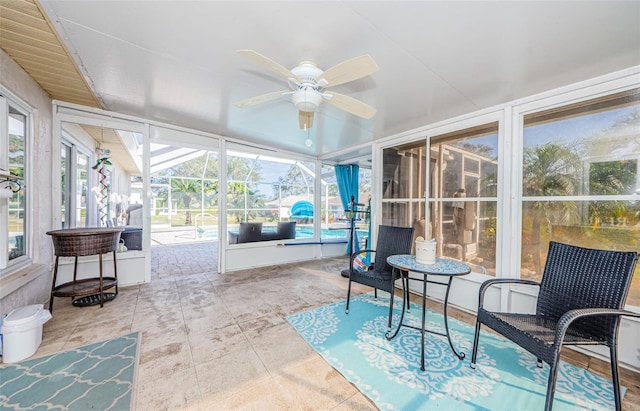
(347, 179)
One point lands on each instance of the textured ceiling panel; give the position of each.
(27, 37)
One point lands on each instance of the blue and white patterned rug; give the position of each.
(388, 372)
(99, 376)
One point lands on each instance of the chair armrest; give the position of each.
(570, 316)
(485, 285)
(356, 253)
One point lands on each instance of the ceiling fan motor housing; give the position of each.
(307, 97)
(306, 72)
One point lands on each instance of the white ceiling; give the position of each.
(176, 61)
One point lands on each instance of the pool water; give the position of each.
(301, 232)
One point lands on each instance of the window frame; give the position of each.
(74, 148)
(7, 101)
(558, 103)
(503, 199)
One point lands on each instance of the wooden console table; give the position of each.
(79, 242)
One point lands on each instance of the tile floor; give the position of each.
(214, 341)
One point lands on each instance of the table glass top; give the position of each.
(442, 266)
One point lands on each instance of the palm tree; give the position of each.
(548, 170)
(186, 187)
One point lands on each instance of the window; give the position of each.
(581, 180)
(184, 182)
(462, 184)
(464, 189)
(403, 184)
(14, 236)
(270, 189)
(74, 161)
(334, 218)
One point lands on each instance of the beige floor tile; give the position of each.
(230, 373)
(159, 336)
(215, 315)
(255, 327)
(280, 346)
(211, 343)
(254, 395)
(53, 340)
(164, 360)
(90, 333)
(313, 384)
(176, 391)
(358, 402)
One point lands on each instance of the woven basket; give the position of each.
(77, 242)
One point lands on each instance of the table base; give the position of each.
(405, 292)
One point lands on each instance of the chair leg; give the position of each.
(53, 286)
(551, 384)
(348, 296)
(615, 378)
(474, 351)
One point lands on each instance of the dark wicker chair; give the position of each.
(391, 241)
(580, 302)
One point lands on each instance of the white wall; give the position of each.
(264, 254)
(130, 267)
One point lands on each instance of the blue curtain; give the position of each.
(347, 179)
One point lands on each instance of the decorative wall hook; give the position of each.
(9, 181)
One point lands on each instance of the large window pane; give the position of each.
(464, 185)
(185, 186)
(404, 185)
(335, 224)
(82, 168)
(573, 157)
(269, 190)
(65, 154)
(17, 166)
(462, 198)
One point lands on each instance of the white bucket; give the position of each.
(425, 251)
(22, 332)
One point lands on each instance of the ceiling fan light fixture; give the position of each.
(306, 99)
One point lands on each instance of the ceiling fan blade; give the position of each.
(267, 63)
(261, 98)
(349, 70)
(305, 118)
(351, 105)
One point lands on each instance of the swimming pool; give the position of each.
(302, 231)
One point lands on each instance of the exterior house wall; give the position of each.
(32, 284)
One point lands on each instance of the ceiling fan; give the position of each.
(308, 85)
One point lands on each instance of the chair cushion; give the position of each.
(286, 230)
(250, 232)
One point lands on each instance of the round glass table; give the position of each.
(443, 267)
